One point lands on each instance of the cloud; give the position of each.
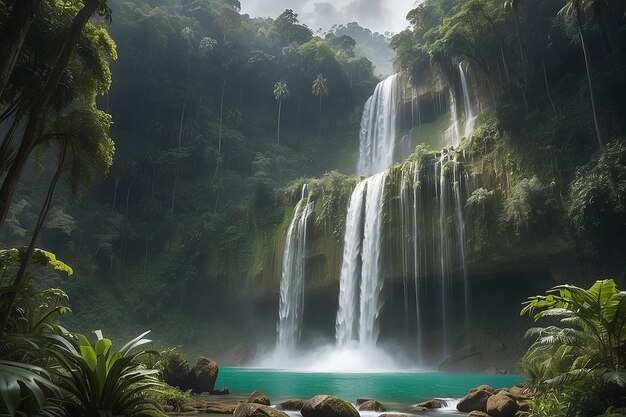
(374, 14)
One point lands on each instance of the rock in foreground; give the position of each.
(257, 397)
(202, 376)
(502, 404)
(372, 405)
(291, 405)
(328, 406)
(257, 410)
(432, 404)
(476, 399)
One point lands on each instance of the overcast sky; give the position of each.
(378, 15)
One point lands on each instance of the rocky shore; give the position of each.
(483, 401)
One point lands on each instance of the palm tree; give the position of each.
(577, 8)
(320, 89)
(281, 92)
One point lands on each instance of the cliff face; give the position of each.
(510, 220)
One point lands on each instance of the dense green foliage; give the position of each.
(578, 364)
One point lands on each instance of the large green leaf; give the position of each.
(15, 375)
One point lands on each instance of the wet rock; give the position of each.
(257, 397)
(478, 414)
(219, 408)
(328, 406)
(220, 391)
(360, 401)
(502, 404)
(432, 404)
(476, 399)
(257, 410)
(187, 408)
(372, 405)
(203, 375)
(291, 405)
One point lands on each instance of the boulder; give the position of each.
(478, 414)
(372, 405)
(203, 375)
(257, 410)
(291, 405)
(219, 408)
(502, 404)
(476, 399)
(187, 408)
(360, 401)
(328, 406)
(257, 397)
(220, 391)
(432, 404)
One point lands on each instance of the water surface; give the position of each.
(398, 391)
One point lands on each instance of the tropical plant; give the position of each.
(596, 316)
(16, 378)
(583, 356)
(103, 382)
(281, 92)
(30, 318)
(320, 89)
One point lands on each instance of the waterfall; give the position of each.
(361, 266)
(413, 259)
(291, 305)
(371, 277)
(378, 127)
(351, 267)
(469, 115)
(451, 136)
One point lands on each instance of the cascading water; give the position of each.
(452, 136)
(469, 114)
(350, 268)
(371, 277)
(291, 305)
(361, 264)
(378, 127)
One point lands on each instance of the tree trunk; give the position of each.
(37, 113)
(320, 121)
(21, 273)
(593, 101)
(545, 79)
(219, 137)
(280, 104)
(14, 35)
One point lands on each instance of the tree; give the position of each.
(320, 89)
(38, 112)
(14, 35)
(577, 8)
(281, 92)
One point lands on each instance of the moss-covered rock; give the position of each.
(328, 406)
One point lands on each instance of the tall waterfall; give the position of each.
(469, 114)
(351, 267)
(291, 305)
(378, 127)
(361, 280)
(452, 136)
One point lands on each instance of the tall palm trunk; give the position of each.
(218, 165)
(37, 113)
(18, 282)
(14, 35)
(587, 65)
(280, 105)
(319, 133)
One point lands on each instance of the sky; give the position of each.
(378, 15)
